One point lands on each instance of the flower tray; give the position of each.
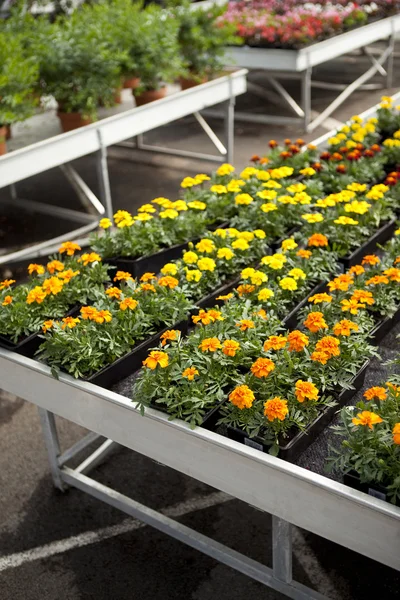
(382, 235)
(130, 362)
(209, 420)
(211, 298)
(276, 244)
(377, 490)
(291, 319)
(384, 326)
(297, 442)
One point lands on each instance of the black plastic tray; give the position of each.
(290, 450)
(291, 320)
(209, 420)
(384, 326)
(276, 244)
(377, 490)
(382, 235)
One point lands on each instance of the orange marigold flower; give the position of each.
(215, 315)
(7, 300)
(370, 259)
(168, 281)
(275, 342)
(345, 327)
(203, 317)
(367, 419)
(393, 274)
(169, 336)
(190, 373)
(53, 266)
(318, 240)
(102, 316)
(245, 289)
(69, 248)
(242, 397)
(114, 292)
(357, 270)
(225, 298)
(276, 408)
(321, 357)
(363, 296)
(156, 358)
(297, 341)
(47, 325)
(147, 287)
(351, 306)
(377, 279)
(69, 322)
(262, 367)
(148, 277)
(88, 312)
(396, 262)
(6, 283)
(272, 143)
(210, 344)
(315, 321)
(376, 392)
(306, 390)
(34, 268)
(245, 324)
(123, 276)
(318, 298)
(52, 285)
(36, 295)
(67, 275)
(230, 347)
(303, 253)
(341, 283)
(396, 434)
(128, 303)
(262, 313)
(329, 345)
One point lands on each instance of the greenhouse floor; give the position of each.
(70, 546)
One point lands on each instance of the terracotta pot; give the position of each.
(3, 136)
(71, 121)
(118, 96)
(8, 132)
(189, 83)
(132, 82)
(149, 96)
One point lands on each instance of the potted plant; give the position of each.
(18, 77)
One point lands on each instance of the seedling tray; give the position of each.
(377, 490)
(369, 247)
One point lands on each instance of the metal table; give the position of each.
(298, 64)
(59, 150)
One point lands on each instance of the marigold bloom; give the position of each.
(190, 258)
(262, 367)
(168, 281)
(225, 253)
(303, 253)
(265, 294)
(123, 276)
(7, 300)
(114, 292)
(367, 419)
(230, 347)
(260, 234)
(202, 317)
(275, 342)
(168, 213)
(105, 223)
(242, 397)
(215, 315)
(69, 322)
(197, 205)
(225, 169)
(193, 275)
(276, 261)
(351, 306)
(376, 392)
(321, 357)
(47, 325)
(243, 199)
(345, 327)
(206, 264)
(357, 270)
(148, 287)
(276, 408)
(34, 268)
(240, 244)
(210, 344)
(218, 189)
(370, 259)
(245, 324)
(128, 303)
(69, 248)
(169, 336)
(262, 314)
(363, 296)
(205, 245)
(342, 283)
(244, 289)
(36, 295)
(190, 373)
(288, 244)
(148, 277)
(396, 434)
(52, 285)
(102, 316)
(6, 283)
(54, 265)
(297, 341)
(317, 240)
(313, 217)
(318, 298)
(377, 280)
(225, 297)
(88, 312)
(67, 275)
(268, 207)
(297, 273)
(288, 283)
(187, 182)
(393, 274)
(315, 321)
(89, 258)
(329, 345)
(169, 269)
(306, 390)
(345, 221)
(267, 194)
(156, 358)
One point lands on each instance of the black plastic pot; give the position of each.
(382, 235)
(377, 490)
(131, 362)
(291, 319)
(290, 448)
(383, 327)
(209, 420)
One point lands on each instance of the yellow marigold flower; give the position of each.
(318, 298)
(288, 283)
(358, 207)
(268, 207)
(374, 194)
(123, 219)
(262, 175)
(275, 342)
(34, 268)
(168, 281)
(260, 234)
(52, 285)
(169, 213)
(248, 172)
(334, 141)
(197, 205)
(297, 273)
(297, 341)
(326, 202)
(305, 390)
(357, 187)
(308, 171)
(193, 275)
(200, 177)
(288, 244)
(276, 408)
(142, 217)
(396, 134)
(203, 317)
(262, 367)
(225, 169)
(113, 292)
(123, 276)
(190, 258)
(389, 143)
(188, 182)
(304, 253)
(233, 186)
(67, 275)
(296, 188)
(7, 300)
(6, 283)
(156, 358)
(36, 295)
(317, 239)
(69, 322)
(243, 199)
(190, 373)
(225, 298)
(146, 208)
(313, 218)
(245, 289)
(247, 273)
(258, 278)
(302, 198)
(215, 315)
(285, 199)
(47, 325)
(231, 231)
(281, 172)
(164, 202)
(396, 434)
(393, 274)
(222, 233)
(350, 144)
(206, 264)
(246, 235)
(265, 294)
(367, 419)
(54, 265)
(205, 245)
(240, 245)
(128, 303)
(315, 321)
(242, 397)
(210, 345)
(218, 189)
(69, 248)
(370, 259)
(225, 253)
(230, 347)
(345, 221)
(88, 258)
(148, 276)
(179, 205)
(376, 393)
(267, 194)
(169, 336)
(105, 223)
(169, 269)
(102, 316)
(245, 324)
(271, 184)
(351, 306)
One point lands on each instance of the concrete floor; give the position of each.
(71, 547)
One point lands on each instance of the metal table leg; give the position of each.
(229, 128)
(51, 440)
(104, 180)
(282, 549)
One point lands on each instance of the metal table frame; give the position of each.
(298, 64)
(60, 150)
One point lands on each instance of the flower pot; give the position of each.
(369, 246)
(8, 132)
(189, 83)
(375, 489)
(72, 120)
(3, 138)
(149, 96)
(383, 326)
(131, 83)
(291, 319)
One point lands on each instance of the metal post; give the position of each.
(390, 60)
(104, 181)
(51, 440)
(306, 96)
(229, 124)
(281, 549)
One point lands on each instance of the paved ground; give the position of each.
(71, 547)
